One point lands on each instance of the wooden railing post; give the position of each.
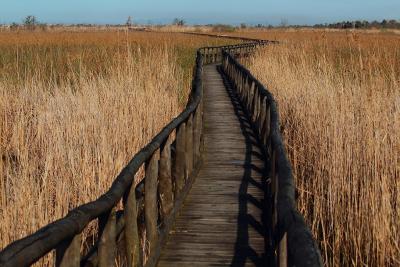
(201, 125)
(240, 83)
(165, 180)
(196, 136)
(244, 88)
(247, 90)
(68, 254)
(267, 128)
(252, 93)
(228, 66)
(180, 164)
(254, 108)
(107, 239)
(225, 63)
(237, 79)
(260, 124)
(282, 246)
(283, 256)
(150, 201)
(132, 242)
(274, 189)
(189, 146)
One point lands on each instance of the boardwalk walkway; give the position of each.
(221, 222)
(224, 219)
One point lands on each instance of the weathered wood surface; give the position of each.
(221, 222)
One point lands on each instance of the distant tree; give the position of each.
(129, 21)
(30, 22)
(243, 25)
(347, 25)
(178, 22)
(375, 24)
(358, 24)
(364, 24)
(392, 23)
(181, 22)
(14, 26)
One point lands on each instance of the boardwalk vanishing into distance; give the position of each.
(218, 188)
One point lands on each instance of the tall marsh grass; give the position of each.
(339, 99)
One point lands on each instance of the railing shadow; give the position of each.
(253, 176)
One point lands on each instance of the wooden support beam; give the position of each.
(180, 162)
(165, 187)
(150, 201)
(283, 256)
(196, 136)
(68, 253)
(107, 239)
(189, 147)
(132, 242)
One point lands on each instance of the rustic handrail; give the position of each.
(171, 161)
(293, 240)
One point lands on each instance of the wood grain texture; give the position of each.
(221, 222)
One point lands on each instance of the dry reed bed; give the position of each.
(74, 108)
(339, 99)
(61, 148)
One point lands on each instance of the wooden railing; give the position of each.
(139, 216)
(213, 54)
(292, 240)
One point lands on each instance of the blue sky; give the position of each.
(202, 12)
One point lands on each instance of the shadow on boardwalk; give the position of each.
(254, 150)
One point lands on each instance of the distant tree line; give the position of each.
(179, 22)
(31, 23)
(362, 24)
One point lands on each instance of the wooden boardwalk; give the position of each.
(224, 219)
(221, 222)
